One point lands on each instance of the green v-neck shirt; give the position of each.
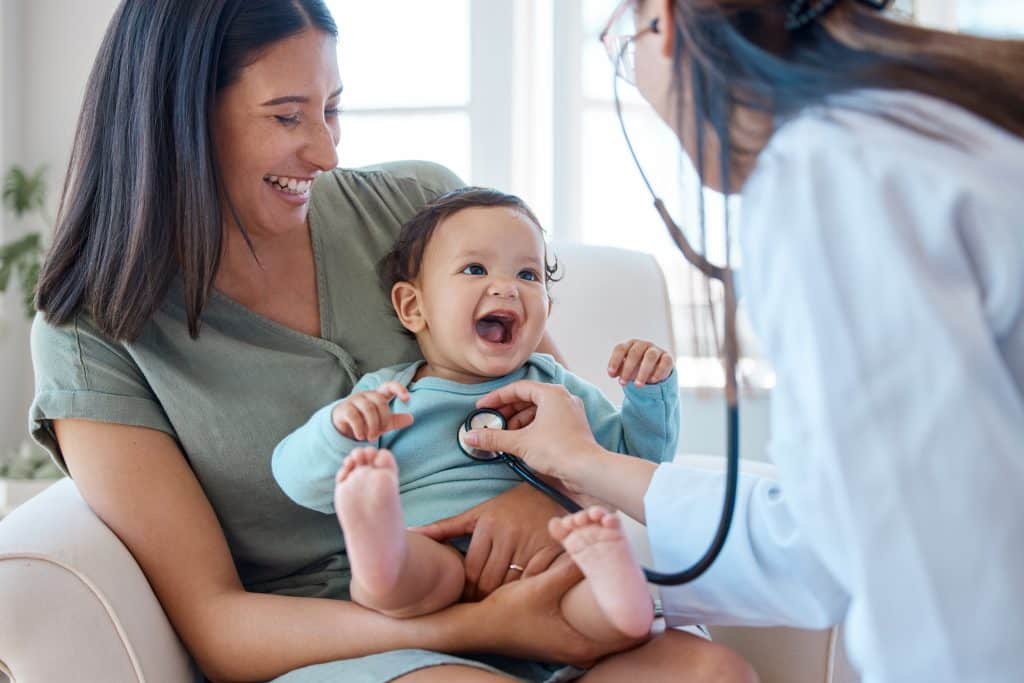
(231, 395)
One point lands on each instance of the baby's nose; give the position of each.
(504, 288)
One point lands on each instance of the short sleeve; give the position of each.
(79, 373)
(424, 180)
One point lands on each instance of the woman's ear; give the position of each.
(667, 26)
(406, 300)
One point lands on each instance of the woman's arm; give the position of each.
(140, 485)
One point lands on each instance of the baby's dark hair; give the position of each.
(402, 263)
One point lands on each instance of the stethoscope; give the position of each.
(486, 418)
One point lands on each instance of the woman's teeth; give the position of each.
(290, 185)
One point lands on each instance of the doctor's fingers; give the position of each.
(522, 391)
(523, 418)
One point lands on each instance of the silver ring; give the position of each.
(516, 567)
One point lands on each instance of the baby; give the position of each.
(469, 277)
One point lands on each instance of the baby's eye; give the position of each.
(474, 269)
(529, 275)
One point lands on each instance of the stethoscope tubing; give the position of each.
(658, 578)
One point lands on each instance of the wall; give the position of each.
(46, 50)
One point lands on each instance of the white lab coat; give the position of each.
(884, 272)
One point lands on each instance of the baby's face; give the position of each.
(482, 292)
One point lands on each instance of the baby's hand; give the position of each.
(366, 415)
(640, 362)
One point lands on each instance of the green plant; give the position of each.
(28, 461)
(23, 193)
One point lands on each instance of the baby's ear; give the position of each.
(406, 300)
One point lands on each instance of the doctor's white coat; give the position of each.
(883, 269)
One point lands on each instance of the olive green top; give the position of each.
(231, 395)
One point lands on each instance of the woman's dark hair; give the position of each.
(738, 53)
(142, 199)
(403, 262)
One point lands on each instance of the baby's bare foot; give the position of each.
(595, 539)
(366, 501)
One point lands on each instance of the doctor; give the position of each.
(882, 174)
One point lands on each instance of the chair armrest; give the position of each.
(76, 606)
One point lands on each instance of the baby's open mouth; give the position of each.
(497, 327)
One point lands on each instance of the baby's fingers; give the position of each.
(664, 369)
(394, 389)
(370, 412)
(634, 357)
(648, 365)
(397, 421)
(618, 355)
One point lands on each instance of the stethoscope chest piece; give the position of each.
(484, 418)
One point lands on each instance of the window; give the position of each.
(996, 18)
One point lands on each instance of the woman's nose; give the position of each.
(321, 150)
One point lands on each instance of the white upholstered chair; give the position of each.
(74, 605)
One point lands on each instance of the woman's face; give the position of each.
(275, 129)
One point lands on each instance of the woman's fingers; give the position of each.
(476, 558)
(496, 566)
(462, 524)
(542, 560)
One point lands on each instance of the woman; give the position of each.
(192, 316)
(880, 166)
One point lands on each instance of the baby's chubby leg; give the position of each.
(613, 600)
(394, 571)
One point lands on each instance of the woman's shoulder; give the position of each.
(403, 181)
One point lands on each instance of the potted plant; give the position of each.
(24, 472)
(27, 469)
(23, 193)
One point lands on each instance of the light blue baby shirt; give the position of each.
(436, 479)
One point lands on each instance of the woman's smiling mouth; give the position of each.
(294, 186)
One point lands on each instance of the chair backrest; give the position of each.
(606, 296)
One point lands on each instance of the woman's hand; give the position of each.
(508, 529)
(524, 619)
(558, 441)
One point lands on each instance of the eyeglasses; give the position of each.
(619, 39)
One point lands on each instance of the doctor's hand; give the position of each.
(640, 362)
(509, 529)
(365, 415)
(557, 442)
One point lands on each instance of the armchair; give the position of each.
(74, 605)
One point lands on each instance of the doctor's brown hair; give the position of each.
(733, 54)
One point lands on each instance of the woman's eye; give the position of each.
(474, 269)
(333, 112)
(288, 120)
(529, 275)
